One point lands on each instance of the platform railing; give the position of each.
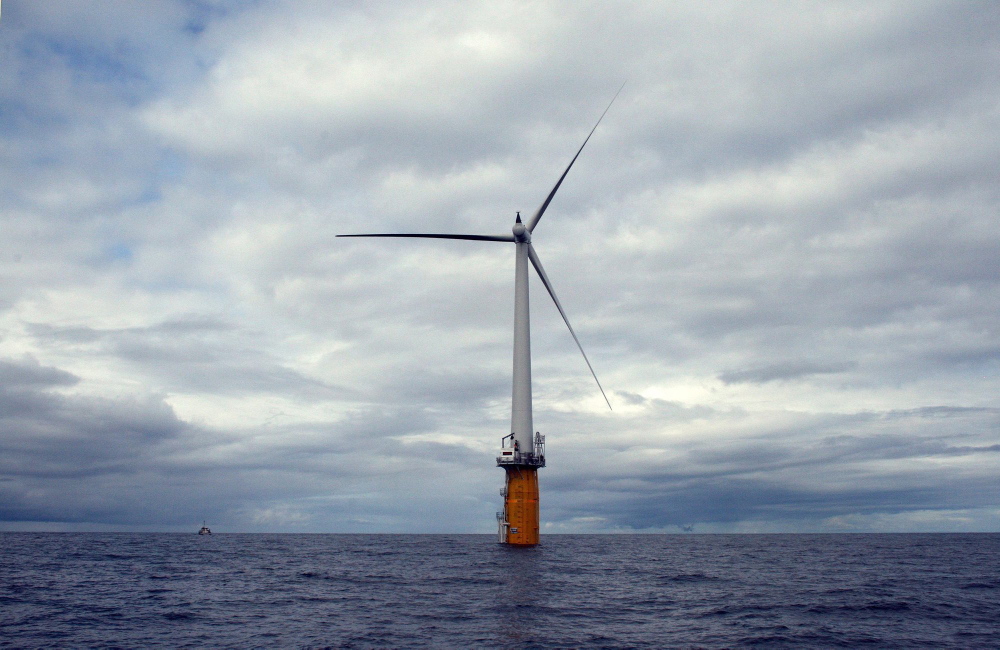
(519, 458)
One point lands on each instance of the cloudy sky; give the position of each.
(780, 251)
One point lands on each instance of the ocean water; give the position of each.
(616, 591)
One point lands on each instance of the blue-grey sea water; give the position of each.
(617, 591)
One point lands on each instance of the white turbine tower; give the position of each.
(522, 452)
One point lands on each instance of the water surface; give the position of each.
(640, 591)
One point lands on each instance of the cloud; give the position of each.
(29, 372)
(790, 370)
(812, 471)
(778, 250)
(136, 457)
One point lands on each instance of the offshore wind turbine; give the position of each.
(522, 452)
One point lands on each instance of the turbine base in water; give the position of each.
(518, 523)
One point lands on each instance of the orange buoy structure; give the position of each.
(520, 507)
(518, 522)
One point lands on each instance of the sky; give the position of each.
(779, 250)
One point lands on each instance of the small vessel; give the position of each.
(204, 529)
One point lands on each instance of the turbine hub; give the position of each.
(521, 233)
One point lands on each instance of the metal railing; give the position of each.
(519, 458)
(534, 458)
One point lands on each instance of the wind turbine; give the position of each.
(523, 451)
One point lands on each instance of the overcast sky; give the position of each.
(780, 250)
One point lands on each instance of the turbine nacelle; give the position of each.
(521, 233)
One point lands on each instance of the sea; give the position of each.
(78, 590)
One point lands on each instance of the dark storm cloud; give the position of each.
(731, 500)
(140, 463)
(50, 434)
(30, 373)
(200, 354)
(817, 469)
(53, 443)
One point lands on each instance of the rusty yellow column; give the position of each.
(521, 505)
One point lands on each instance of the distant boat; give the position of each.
(204, 529)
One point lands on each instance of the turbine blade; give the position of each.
(537, 263)
(535, 218)
(508, 238)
